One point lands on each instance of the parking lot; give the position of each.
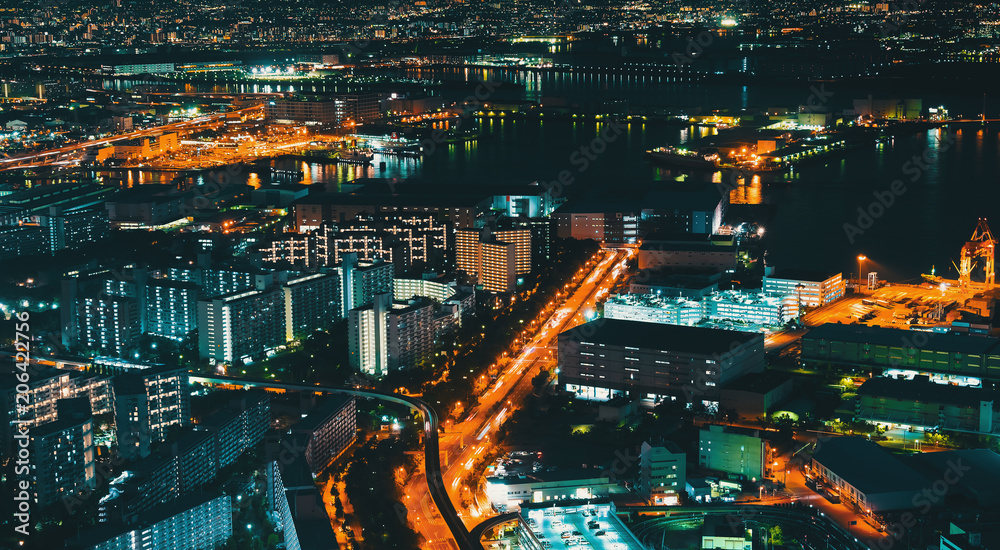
(894, 306)
(580, 528)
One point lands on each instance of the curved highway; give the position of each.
(432, 456)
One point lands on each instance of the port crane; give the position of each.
(981, 245)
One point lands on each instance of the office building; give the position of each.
(62, 453)
(732, 450)
(607, 358)
(241, 326)
(813, 289)
(961, 359)
(194, 522)
(662, 473)
(312, 302)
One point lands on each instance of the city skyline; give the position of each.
(533, 275)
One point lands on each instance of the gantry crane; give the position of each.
(981, 245)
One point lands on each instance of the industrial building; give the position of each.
(551, 485)
(607, 358)
(961, 359)
(697, 251)
(757, 394)
(920, 403)
(865, 474)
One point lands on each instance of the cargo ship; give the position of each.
(706, 159)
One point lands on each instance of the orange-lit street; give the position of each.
(471, 439)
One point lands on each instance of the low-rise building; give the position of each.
(551, 485)
(812, 289)
(756, 394)
(732, 450)
(923, 404)
(865, 474)
(662, 473)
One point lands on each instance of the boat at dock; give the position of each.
(705, 159)
(353, 156)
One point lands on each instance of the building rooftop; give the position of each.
(976, 470)
(108, 531)
(810, 275)
(660, 336)
(863, 334)
(924, 391)
(759, 382)
(320, 414)
(866, 466)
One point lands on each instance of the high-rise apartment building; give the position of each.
(147, 404)
(171, 308)
(389, 336)
(242, 326)
(495, 258)
(312, 302)
(191, 523)
(108, 324)
(63, 453)
(328, 430)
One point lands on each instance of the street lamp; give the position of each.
(861, 259)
